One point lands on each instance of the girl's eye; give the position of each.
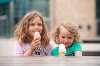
(63, 37)
(32, 24)
(39, 24)
(69, 37)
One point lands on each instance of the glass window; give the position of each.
(98, 16)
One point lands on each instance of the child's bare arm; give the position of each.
(28, 52)
(35, 44)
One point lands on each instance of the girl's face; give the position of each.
(65, 37)
(36, 25)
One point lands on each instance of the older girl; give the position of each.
(27, 45)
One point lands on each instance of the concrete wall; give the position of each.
(7, 47)
(82, 12)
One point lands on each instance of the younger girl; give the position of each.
(27, 45)
(67, 34)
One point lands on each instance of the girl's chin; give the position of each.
(66, 45)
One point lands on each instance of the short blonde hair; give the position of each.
(21, 31)
(71, 27)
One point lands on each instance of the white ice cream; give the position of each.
(37, 35)
(62, 48)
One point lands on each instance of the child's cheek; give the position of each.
(31, 29)
(67, 42)
(61, 40)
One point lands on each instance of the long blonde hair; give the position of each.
(71, 27)
(22, 33)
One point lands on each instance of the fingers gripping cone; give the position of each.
(37, 37)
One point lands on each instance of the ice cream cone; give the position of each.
(62, 50)
(37, 35)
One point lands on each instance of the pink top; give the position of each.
(20, 50)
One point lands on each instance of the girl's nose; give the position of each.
(66, 41)
(36, 28)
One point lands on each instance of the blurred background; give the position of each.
(85, 13)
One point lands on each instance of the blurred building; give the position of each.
(85, 13)
(82, 12)
(11, 11)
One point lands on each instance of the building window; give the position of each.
(98, 16)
